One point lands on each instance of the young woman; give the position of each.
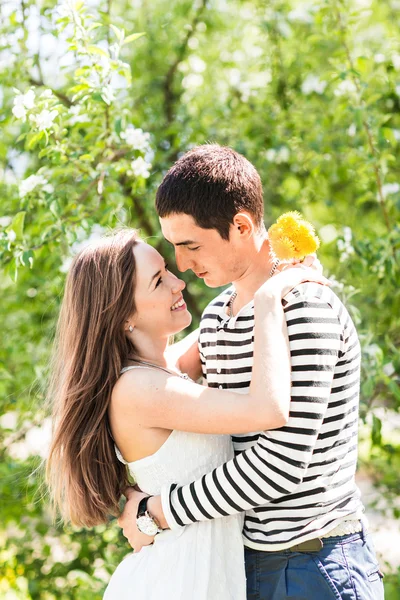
(121, 404)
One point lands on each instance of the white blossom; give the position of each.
(311, 84)
(328, 233)
(33, 181)
(68, 8)
(22, 103)
(346, 87)
(5, 221)
(196, 64)
(9, 420)
(347, 234)
(193, 80)
(193, 43)
(390, 188)
(140, 168)
(279, 156)
(344, 245)
(234, 76)
(396, 61)
(379, 58)
(136, 138)
(44, 120)
(76, 116)
(352, 130)
(270, 155)
(46, 94)
(389, 369)
(300, 14)
(107, 93)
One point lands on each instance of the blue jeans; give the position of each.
(346, 568)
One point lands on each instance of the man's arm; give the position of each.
(276, 465)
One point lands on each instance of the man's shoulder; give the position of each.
(307, 298)
(313, 294)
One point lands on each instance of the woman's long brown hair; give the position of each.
(85, 478)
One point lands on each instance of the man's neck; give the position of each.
(255, 275)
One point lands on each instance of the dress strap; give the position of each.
(125, 369)
(119, 455)
(146, 365)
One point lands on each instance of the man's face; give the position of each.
(204, 251)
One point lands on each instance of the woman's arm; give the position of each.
(185, 355)
(153, 398)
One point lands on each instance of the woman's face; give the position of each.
(160, 308)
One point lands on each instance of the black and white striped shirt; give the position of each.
(297, 482)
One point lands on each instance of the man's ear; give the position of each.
(244, 225)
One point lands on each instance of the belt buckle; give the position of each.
(309, 546)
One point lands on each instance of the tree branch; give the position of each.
(367, 128)
(62, 97)
(170, 97)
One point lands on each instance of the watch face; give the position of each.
(146, 525)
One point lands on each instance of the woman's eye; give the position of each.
(193, 249)
(158, 282)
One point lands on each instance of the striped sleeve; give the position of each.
(275, 466)
(202, 360)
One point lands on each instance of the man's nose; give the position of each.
(182, 262)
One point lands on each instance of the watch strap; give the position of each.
(142, 507)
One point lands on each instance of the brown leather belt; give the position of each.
(309, 546)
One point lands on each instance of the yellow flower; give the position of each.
(292, 237)
(284, 248)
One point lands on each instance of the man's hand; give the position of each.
(127, 520)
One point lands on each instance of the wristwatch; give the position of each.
(144, 521)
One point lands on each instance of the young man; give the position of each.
(303, 533)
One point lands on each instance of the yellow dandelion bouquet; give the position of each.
(292, 237)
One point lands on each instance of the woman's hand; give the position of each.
(127, 520)
(288, 276)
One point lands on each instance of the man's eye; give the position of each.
(193, 249)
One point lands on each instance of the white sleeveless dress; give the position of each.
(204, 561)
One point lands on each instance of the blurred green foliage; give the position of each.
(309, 91)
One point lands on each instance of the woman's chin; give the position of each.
(185, 318)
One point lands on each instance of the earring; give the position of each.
(130, 328)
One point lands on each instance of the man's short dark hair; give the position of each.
(212, 184)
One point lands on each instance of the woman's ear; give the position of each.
(129, 325)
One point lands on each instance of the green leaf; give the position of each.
(55, 208)
(95, 26)
(117, 32)
(98, 97)
(26, 259)
(118, 125)
(96, 50)
(33, 140)
(17, 224)
(133, 37)
(376, 432)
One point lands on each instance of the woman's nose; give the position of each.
(178, 285)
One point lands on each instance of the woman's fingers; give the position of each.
(310, 262)
(290, 277)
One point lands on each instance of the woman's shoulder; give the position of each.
(135, 383)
